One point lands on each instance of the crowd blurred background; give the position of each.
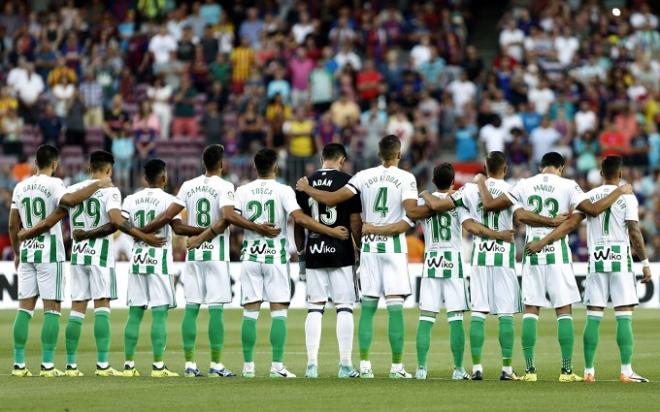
(452, 78)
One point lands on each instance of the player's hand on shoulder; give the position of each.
(105, 183)
(302, 184)
(269, 230)
(153, 240)
(534, 246)
(479, 178)
(340, 232)
(626, 189)
(559, 219)
(646, 274)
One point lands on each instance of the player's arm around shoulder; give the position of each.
(593, 209)
(43, 226)
(328, 198)
(566, 227)
(70, 199)
(489, 203)
(639, 248)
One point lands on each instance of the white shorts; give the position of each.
(494, 290)
(45, 280)
(265, 282)
(207, 282)
(384, 274)
(435, 293)
(620, 286)
(557, 281)
(92, 283)
(151, 290)
(336, 284)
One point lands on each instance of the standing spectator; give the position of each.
(373, 123)
(145, 129)
(22, 169)
(432, 71)
(541, 97)
(303, 28)
(7, 101)
(220, 70)
(50, 126)
(60, 71)
(493, 136)
(463, 91)
(92, 96)
(301, 67)
(211, 123)
(466, 141)
(585, 119)
(160, 95)
(251, 128)
(210, 11)
(612, 141)
(586, 149)
(28, 89)
(421, 53)
(344, 111)
(252, 27)
(301, 145)
(209, 45)
(45, 58)
(242, 60)
(277, 113)
(279, 85)
(114, 121)
(162, 45)
(62, 96)
(11, 127)
(185, 121)
(74, 121)
(123, 149)
(185, 50)
(368, 83)
(224, 32)
(473, 64)
(399, 125)
(543, 139)
(321, 84)
(511, 40)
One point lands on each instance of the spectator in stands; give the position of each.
(400, 125)
(92, 97)
(185, 49)
(211, 123)
(301, 67)
(301, 143)
(373, 124)
(123, 149)
(114, 120)
(162, 45)
(146, 128)
(611, 141)
(11, 126)
(220, 70)
(321, 85)
(251, 128)
(74, 121)
(45, 59)
(585, 119)
(493, 136)
(543, 139)
(28, 88)
(61, 71)
(277, 113)
(62, 95)
(466, 141)
(242, 60)
(279, 85)
(463, 92)
(7, 101)
(344, 110)
(252, 27)
(50, 126)
(368, 83)
(185, 119)
(160, 94)
(22, 169)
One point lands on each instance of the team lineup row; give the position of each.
(337, 218)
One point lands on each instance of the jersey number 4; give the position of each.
(380, 204)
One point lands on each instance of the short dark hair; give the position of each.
(213, 155)
(154, 168)
(495, 161)
(553, 159)
(333, 151)
(264, 161)
(389, 146)
(611, 166)
(100, 159)
(46, 154)
(443, 175)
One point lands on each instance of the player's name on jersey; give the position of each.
(541, 187)
(149, 200)
(322, 182)
(621, 201)
(201, 189)
(39, 187)
(261, 191)
(383, 178)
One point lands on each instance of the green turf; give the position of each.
(329, 393)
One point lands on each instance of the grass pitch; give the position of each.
(328, 393)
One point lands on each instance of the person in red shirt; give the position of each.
(612, 141)
(368, 80)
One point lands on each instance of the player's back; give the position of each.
(548, 195)
(607, 233)
(443, 230)
(266, 201)
(141, 208)
(91, 214)
(324, 251)
(382, 191)
(35, 198)
(204, 197)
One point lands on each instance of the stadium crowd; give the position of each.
(144, 78)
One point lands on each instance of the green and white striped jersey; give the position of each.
(91, 214)
(266, 201)
(35, 198)
(489, 252)
(204, 197)
(548, 195)
(140, 209)
(607, 233)
(382, 191)
(443, 236)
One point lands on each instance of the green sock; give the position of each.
(132, 331)
(456, 337)
(566, 338)
(366, 327)
(189, 330)
(21, 328)
(216, 332)
(278, 334)
(506, 338)
(477, 331)
(624, 338)
(528, 340)
(590, 339)
(424, 339)
(72, 335)
(49, 333)
(102, 332)
(395, 330)
(159, 331)
(249, 334)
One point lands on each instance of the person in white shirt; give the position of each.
(421, 53)
(462, 91)
(160, 95)
(28, 88)
(542, 97)
(347, 56)
(399, 125)
(493, 136)
(585, 119)
(303, 28)
(566, 45)
(161, 45)
(543, 139)
(62, 95)
(511, 40)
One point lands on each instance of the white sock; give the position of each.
(129, 363)
(397, 366)
(477, 368)
(345, 337)
(102, 365)
(47, 365)
(313, 336)
(278, 366)
(627, 369)
(72, 365)
(248, 366)
(507, 369)
(590, 371)
(365, 364)
(217, 366)
(20, 365)
(159, 365)
(191, 365)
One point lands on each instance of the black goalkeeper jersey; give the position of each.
(324, 251)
